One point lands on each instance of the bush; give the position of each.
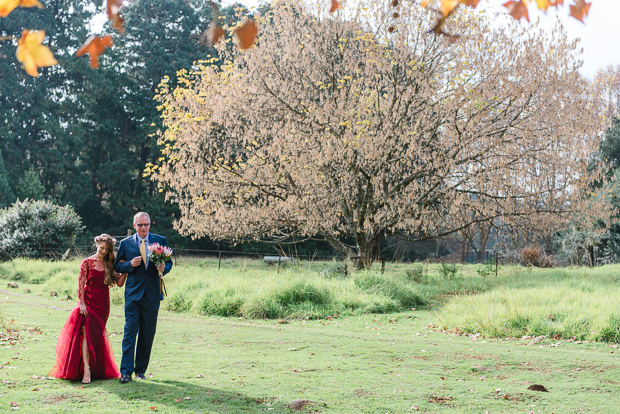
(416, 274)
(448, 271)
(535, 256)
(27, 227)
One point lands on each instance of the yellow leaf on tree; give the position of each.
(7, 6)
(32, 54)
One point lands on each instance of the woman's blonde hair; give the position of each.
(109, 259)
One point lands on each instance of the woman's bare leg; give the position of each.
(85, 358)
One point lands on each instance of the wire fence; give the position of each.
(81, 250)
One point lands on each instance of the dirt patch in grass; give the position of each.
(54, 399)
(363, 393)
(440, 400)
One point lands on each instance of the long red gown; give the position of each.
(69, 363)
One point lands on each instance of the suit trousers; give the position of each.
(140, 322)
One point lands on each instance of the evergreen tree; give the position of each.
(6, 193)
(40, 117)
(30, 186)
(610, 146)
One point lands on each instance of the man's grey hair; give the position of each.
(140, 214)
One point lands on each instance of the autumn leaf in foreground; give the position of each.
(334, 6)
(447, 6)
(212, 35)
(580, 9)
(113, 8)
(32, 54)
(517, 9)
(246, 34)
(94, 46)
(7, 6)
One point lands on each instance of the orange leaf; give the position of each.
(177, 400)
(214, 34)
(32, 54)
(153, 408)
(424, 3)
(543, 4)
(580, 9)
(113, 8)
(517, 9)
(447, 6)
(470, 3)
(335, 6)
(94, 46)
(7, 6)
(246, 34)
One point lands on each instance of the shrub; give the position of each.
(28, 226)
(535, 256)
(448, 271)
(416, 274)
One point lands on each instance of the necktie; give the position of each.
(143, 251)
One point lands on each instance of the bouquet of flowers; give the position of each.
(159, 254)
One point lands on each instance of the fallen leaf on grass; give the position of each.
(36, 389)
(186, 398)
(414, 408)
(178, 400)
(199, 376)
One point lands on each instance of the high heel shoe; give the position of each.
(84, 380)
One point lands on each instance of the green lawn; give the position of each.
(362, 363)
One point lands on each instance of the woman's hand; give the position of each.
(83, 310)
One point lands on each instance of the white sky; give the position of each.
(600, 35)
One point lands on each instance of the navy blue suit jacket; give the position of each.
(140, 281)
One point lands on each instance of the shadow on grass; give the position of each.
(202, 398)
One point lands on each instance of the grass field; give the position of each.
(398, 362)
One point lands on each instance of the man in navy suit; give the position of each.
(142, 296)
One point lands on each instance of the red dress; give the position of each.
(69, 363)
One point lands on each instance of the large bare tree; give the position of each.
(343, 128)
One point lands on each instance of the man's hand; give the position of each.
(161, 267)
(135, 262)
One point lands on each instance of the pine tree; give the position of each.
(6, 193)
(30, 186)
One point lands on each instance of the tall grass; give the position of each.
(580, 303)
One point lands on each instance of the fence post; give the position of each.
(382, 266)
(219, 262)
(43, 246)
(496, 263)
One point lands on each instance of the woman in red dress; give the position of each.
(83, 348)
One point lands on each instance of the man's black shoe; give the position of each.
(125, 379)
(140, 376)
